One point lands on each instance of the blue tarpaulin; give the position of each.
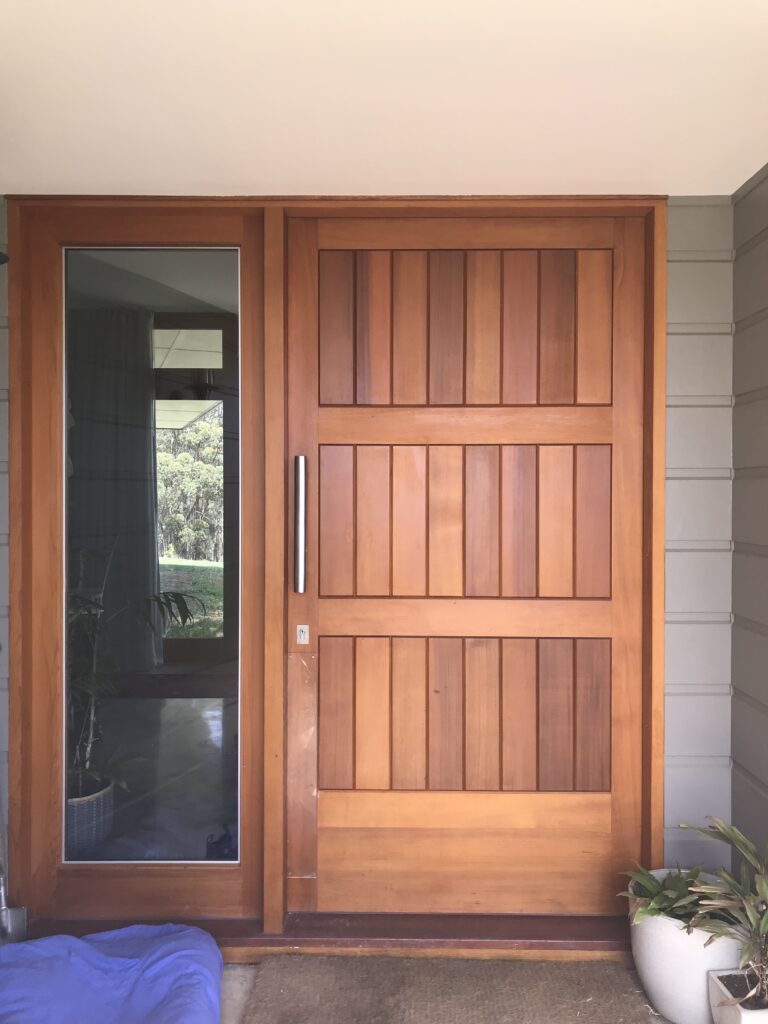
(145, 974)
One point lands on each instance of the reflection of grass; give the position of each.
(204, 580)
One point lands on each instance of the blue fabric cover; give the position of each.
(145, 974)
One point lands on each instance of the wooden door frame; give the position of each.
(36, 221)
(39, 236)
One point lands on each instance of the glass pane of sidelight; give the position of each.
(153, 563)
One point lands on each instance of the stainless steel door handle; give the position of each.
(300, 524)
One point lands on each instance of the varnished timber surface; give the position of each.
(409, 934)
(361, 409)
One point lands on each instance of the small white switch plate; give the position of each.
(302, 634)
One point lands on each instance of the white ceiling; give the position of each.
(259, 97)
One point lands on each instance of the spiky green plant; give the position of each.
(89, 683)
(737, 907)
(673, 895)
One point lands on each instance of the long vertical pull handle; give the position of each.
(300, 524)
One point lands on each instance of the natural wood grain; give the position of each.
(301, 764)
(274, 892)
(483, 328)
(520, 337)
(481, 521)
(482, 727)
(430, 852)
(373, 328)
(301, 894)
(594, 326)
(337, 514)
(519, 715)
(556, 521)
(254, 953)
(493, 232)
(446, 520)
(36, 448)
(139, 890)
(409, 713)
(593, 521)
(446, 714)
(557, 300)
(38, 878)
(409, 328)
(336, 291)
(373, 520)
(43, 224)
(413, 616)
(518, 521)
(592, 769)
(564, 425)
(336, 743)
(409, 520)
(303, 380)
(424, 935)
(556, 715)
(372, 713)
(627, 564)
(446, 327)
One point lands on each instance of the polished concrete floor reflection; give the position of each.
(181, 776)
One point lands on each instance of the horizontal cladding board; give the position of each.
(699, 438)
(699, 653)
(699, 725)
(698, 581)
(699, 364)
(750, 357)
(700, 293)
(750, 502)
(750, 211)
(750, 580)
(698, 510)
(696, 790)
(750, 655)
(749, 289)
(750, 428)
(700, 228)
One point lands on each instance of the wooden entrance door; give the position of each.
(464, 722)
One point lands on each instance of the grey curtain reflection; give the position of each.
(111, 493)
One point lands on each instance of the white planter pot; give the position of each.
(673, 966)
(718, 994)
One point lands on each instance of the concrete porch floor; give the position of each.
(293, 989)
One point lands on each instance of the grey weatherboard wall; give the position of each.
(750, 510)
(698, 527)
(698, 614)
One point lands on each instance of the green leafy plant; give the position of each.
(673, 895)
(738, 907)
(89, 679)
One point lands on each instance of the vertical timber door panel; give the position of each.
(478, 531)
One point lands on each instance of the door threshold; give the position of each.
(475, 936)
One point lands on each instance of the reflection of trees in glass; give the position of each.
(190, 489)
(190, 514)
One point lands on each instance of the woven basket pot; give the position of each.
(89, 820)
